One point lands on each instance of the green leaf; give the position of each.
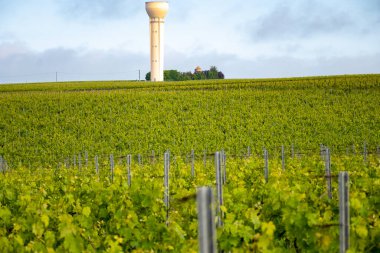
(45, 220)
(5, 214)
(73, 244)
(86, 211)
(38, 229)
(268, 228)
(361, 231)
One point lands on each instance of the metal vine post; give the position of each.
(266, 166)
(283, 157)
(192, 163)
(206, 221)
(344, 212)
(112, 165)
(96, 165)
(328, 172)
(219, 188)
(129, 163)
(166, 182)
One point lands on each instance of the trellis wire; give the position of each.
(206, 224)
(344, 212)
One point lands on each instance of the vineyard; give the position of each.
(68, 184)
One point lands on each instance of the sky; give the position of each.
(45, 40)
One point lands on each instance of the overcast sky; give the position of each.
(109, 39)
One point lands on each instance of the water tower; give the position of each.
(157, 12)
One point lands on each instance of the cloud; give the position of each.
(22, 64)
(284, 66)
(180, 11)
(282, 38)
(291, 66)
(372, 6)
(7, 37)
(11, 49)
(93, 10)
(304, 20)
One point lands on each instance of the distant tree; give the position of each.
(185, 76)
(172, 75)
(199, 76)
(147, 76)
(213, 73)
(175, 75)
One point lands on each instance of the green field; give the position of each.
(49, 203)
(46, 123)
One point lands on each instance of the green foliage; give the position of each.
(147, 76)
(67, 210)
(45, 207)
(175, 75)
(46, 123)
(172, 75)
(213, 73)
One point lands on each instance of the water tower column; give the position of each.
(157, 49)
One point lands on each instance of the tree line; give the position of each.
(175, 75)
